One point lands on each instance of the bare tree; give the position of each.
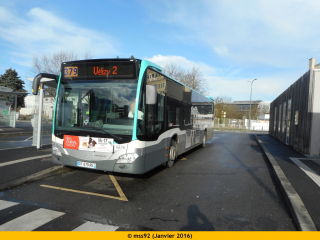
(264, 108)
(193, 78)
(223, 104)
(52, 64)
(174, 71)
(223, 99)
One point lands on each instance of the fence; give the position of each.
(241, 125)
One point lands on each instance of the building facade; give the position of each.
(244, 106)
(295, 114)
(32, 105)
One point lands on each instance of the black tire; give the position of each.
(172, 154)
(204, 140)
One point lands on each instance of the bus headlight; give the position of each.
(127, 158)
(56, 151)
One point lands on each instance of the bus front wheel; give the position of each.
(172, 154)
(204, 140)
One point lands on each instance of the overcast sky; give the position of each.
(231, 41)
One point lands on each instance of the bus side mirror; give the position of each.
(151, 94)
(37, 79)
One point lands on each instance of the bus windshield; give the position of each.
(105, 106)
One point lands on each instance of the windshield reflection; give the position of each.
(93, 105)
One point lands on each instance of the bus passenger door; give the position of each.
(155, 125)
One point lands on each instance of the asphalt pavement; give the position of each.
(30, 160)
(226, 186)
(16, 142)
(22, 135)
(22, 129)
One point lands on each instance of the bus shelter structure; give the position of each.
(9, 91)
(37, 129)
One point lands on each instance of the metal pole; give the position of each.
(250, 104)
(250, 107)
(40, 117)
(15, 110)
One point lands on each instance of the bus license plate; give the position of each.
(86, 164)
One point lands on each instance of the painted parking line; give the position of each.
(23, 160)
(31, 221)
(313, 175)
(39, 217)
(91, 226)
(114, 181)
(6, 204)
(123, 197)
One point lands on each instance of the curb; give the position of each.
(36, 176)
(296, 206)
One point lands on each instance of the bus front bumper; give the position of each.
(137, 167)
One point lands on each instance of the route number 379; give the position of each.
(71, 71)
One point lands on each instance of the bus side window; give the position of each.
(168, 116)
(155, 119)
(177, 116)
(187, 115)
(171, 116)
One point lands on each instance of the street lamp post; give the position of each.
(250, 102)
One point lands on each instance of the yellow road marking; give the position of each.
(183, 159)
(122, 196)
(28, 138)
(114, 181)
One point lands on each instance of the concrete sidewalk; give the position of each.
(303, 173)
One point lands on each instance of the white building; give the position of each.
(32, 105)
(264, 117)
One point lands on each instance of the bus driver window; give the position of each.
(132, 111)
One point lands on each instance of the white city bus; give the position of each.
(124, 115)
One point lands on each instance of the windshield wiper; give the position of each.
(112, 135)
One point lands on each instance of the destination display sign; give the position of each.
(99, 70)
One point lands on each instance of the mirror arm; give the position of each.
(37, 79)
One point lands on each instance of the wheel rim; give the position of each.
(172, 153)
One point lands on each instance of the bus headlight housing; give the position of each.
(56, 151)
(127, 158)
